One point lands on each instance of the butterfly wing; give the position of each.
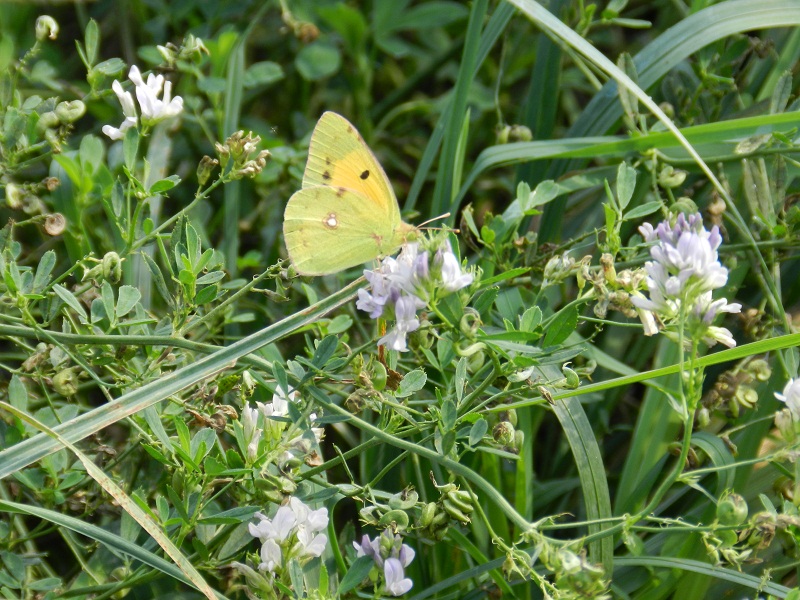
(329, 229)
(339, 157)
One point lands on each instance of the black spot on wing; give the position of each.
(365, 174)
(326, 175)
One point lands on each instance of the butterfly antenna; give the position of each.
(444, 216)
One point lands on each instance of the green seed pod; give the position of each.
(454, 511)
(112, 267)
(731, 509)
(572, 379)
(440, 518)
(670, 177)
(379, 376)
(404, 500)
(727, 538)
(475, 362)
(503, 433)
(760, 369)
(503, 133)
(47, 120)
(65, 382)
(427, 514)
(46, 28)
(70, 111)
(462, 500)
(520, 133)
(398, 518)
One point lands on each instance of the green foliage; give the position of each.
(165, 375)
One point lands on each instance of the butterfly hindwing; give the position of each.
(339, 157)
(329, 229)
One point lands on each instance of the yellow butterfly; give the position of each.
(346, 213)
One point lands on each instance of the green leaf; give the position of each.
(110, 67)
(130, 147)
(164, 185)
(205, 295)
(357, 573)
(530, 319)
(91, 37)
(477, 431)
(128, 297)
(317, 61)
(107, 296)
(325, 350)
(71, 301)
(262, 74)
(560, 328)
(648, 208)
(43, 271)
(412, 382)
(626, 182)
(17, 393)
(461, 378)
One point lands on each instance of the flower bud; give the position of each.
(46, 28)
(731, 509)
(69, 112)
(205, 168)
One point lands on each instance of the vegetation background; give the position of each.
(548, 412)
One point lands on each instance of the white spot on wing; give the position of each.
(331, 222)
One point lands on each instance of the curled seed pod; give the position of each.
(46, 28)
(65, 382)
(572, 379)
(55, 224)
(731, 509)
(112, 267)
(503, 433)
(70, 111)
(404, 500)
(398, 518)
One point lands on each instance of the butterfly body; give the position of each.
(346, 212)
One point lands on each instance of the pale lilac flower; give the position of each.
(397, 583)
(405, 312)
(391, 556)
(452, 277)
(791, 397)
(681, 277)
(399, 287)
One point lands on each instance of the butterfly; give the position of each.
(346, 213)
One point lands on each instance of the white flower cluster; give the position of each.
(401, 286)
(292, 533)
(391, 556)
(273, 428)
(153, 109)
(681, 277)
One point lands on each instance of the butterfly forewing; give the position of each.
(339, 157)
(329, 229)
